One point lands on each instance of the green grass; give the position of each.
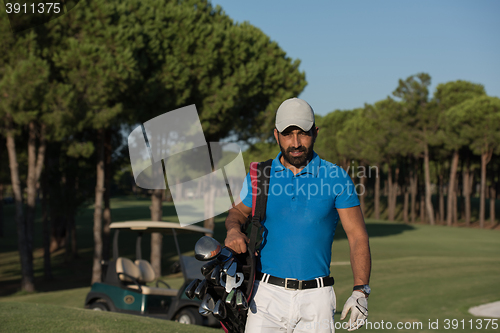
(422, 273)
(74, 298)
(419, 273)
(40, 318)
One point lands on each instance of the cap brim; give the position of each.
(303, 124)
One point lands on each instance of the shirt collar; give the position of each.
(312, 167)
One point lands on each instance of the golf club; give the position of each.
(231, 271)
(206, 248)
(227, 264)
(241, 302)
(203, 312)
(215, 276)
(191, 288)
(224, 255)
(207, 269)
(207, 304)
(230, 298)
(201, 290)
(220, 310)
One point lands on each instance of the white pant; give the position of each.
(274, 309)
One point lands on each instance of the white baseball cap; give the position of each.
(294, 112)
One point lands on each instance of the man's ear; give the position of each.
(276, 135)
(315, 133)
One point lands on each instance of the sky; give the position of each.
(354, 52)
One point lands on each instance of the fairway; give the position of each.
(420, 274)
(27, 317)
(424, 273)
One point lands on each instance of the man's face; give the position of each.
(296, 145)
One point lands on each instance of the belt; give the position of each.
(294, 284)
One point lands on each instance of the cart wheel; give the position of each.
(189, 316)
(99, 306)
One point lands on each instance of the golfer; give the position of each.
(307, 196)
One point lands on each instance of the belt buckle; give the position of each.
(290, 279)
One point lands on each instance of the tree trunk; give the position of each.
(451, 186)
(27, 278)
(362, 182)
(107, 194)
(35, 165)
(466, 192)
(1, 209)
(2, 188)
(460, 190)
(485, 159)
(422, 206)
(428, 190)
(377, 195)
(405, 203)
(31, 193)
(493, 196)
(441, 198)
(395, 191)
(209, 201)
(99, 190)
(413, 191)
(390, 210)
(47, 269)
(455, 203)
(69, 187)
(156, 237)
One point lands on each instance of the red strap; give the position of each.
(254, 181)
(253, 177)
(251, 289)
(223, 327)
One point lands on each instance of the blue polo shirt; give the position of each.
(301, 217)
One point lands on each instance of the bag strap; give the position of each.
(259, 175)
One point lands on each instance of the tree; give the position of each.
(139, 59)
(259, 152)
(23, 84)
(326, 143)
(3, 181)
(395, 143)
(448, 95)
(234, 74)
(479, 122)
(361, 139)
(423, 118)
(95, 58)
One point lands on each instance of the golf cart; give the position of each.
(124, 282)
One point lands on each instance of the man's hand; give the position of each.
(236, 240)
(358, 304)
(236, 217)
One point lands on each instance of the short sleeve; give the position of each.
(345, 194)
(246, 191)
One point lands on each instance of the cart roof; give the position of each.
(162, 227)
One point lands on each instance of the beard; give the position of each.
(297, 161)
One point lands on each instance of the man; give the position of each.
(307, 195)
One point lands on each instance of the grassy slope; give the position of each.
(420, 273)
(26, 317)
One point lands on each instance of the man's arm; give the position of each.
(355, 229)
(235, 239)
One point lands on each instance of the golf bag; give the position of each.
(226, 291)
(259, 176)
